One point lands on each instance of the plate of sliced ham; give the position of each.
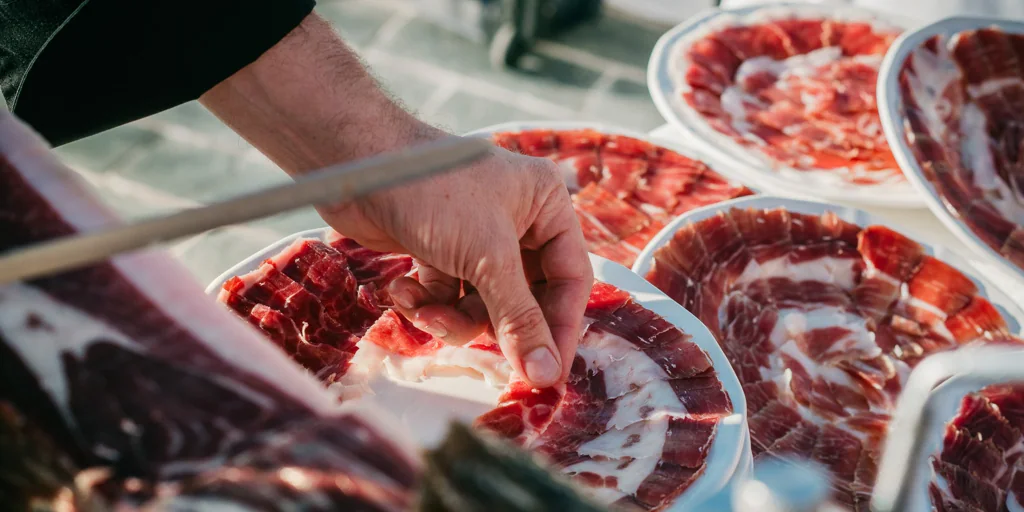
(645, 420)
(950, 96)
(785, 94)
(625, 185)
(823, 311)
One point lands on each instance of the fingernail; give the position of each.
(436, 329)
(540, 366)
(403, 299)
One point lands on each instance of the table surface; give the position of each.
(921, 224)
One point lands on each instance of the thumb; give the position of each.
(519, 323)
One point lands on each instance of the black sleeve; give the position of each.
(115, 61)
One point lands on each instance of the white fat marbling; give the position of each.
(624, 366)
(448, 361)
(839, 271)
(976, 148)
(654, 400)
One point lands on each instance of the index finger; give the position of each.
(569, 278)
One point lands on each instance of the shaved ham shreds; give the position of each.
(823, 321)
(624, 189)
(636, 419)
(325, 303)
(963, 98)
(794, 88)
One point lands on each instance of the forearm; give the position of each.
(308, 102)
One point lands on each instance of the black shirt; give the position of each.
(73, 68)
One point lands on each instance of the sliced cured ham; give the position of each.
(325, 303)
(122, 384)
(624, 189)
(963, 97)
(633, 425)
(637, 417)
(795, 88)
(823, 321)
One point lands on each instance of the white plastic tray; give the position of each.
(690, 149)
(890, 101)
(427, 408)
(1010, 310)
(748, 165)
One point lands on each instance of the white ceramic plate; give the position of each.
(1010, 310)
(890, 101)
(751, 167)
(427, 408)
(688, 148)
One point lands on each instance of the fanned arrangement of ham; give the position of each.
(634, 424)
(624, 189)
(963, 97)
(121, 388)
(822, 321)
(637, 417)
(796, 88)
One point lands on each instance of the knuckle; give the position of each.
(492, 268)
(523, 320)
(547, 173)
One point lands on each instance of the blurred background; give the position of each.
(460, 64)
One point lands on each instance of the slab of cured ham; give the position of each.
(963, 101)
(823, 320)
(121, 384)
(624, 189)
(795, 87)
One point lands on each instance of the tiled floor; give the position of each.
(184, 157)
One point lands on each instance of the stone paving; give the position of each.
(185, 157)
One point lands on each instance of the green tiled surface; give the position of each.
(465, 112)
(424, 42)
(184, 157)
(626, 104)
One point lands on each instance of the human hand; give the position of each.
(501, 225)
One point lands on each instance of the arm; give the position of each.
(72, 68)
(501, 225)
(308, 102)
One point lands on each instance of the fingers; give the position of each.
(565, 264)
(519, 323)
(455, 324)
(569, 279)
(443, 287)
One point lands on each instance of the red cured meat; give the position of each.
(397, 335)
(331, 294)
(964, 100)
(637, 417)
(624, 189)
(608, 216)
(801, 120)
(820, 318)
